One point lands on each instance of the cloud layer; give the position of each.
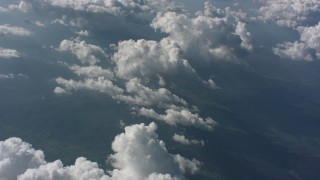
(288, 13)
(138, 155)
(307, 48)
(209, 35)
(86, 53)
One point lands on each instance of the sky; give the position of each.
(159, 89)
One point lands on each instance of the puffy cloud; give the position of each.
(155, 176)
(184, 117)
(99, 84)
(139, 154)
(16, 156)
(142, 95)
(183, 140)
(149, 58)
(18, 160)
(86, 53)
(82, 169)
(308, 48)
(186, 165)
(244, 35)
(208, 35)
(287, 12)
(8, 53)
(7, 29)
(83, 33)
(135, 63)
(59, 90)
(294, 51)
(135, 93)
(311, 36)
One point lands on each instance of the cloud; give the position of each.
(138, 154)
(92, 71)
(308, 48)
(186, 165)
(183, 140)
(16, 156)
(142, 95)
(244, 35)
(311, 36)
(39, 24)
(8, 53)
(209, 35)
(7, 76)
(86, 53)
(99, 84)
(83, 33)
(7, 29)
(294, 51)
(184, 117)
(135, 64)
(59, 90)
(145, 58)
(18, 160)
(12, 76)
(115, 7)
(61, 21)
(82, 169)
(25, 6)
(155, 176)
(211, 84)
(287, 12)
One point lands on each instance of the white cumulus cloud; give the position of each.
(138, 154)
(7, 29)
(183, 140)
(244, 35)
(149, 58)
(8, 53)
(208, 35)
(86, 53)
(295, 51)
(142, 95)
(307, 48)
(99, 84)
(184, 117)
(287, 12)
(16, 156)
